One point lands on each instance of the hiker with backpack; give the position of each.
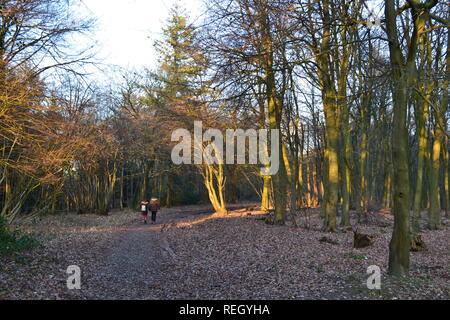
(144, 210)
(154, 206)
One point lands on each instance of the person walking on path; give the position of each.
(154, 206)
(144, 210)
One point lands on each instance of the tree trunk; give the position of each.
(265, 199)
(399, 245)
(421, 117)
(434, 212)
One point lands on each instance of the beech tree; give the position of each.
(403, 67)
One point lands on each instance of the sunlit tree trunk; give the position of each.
(434, 212)
(292, 181)
(362, 214)
(421, 119)
(274, 112)
(214, 181)
(265, 198)
(439, 110)
(331, 178)
(345, 128)
(446, 178)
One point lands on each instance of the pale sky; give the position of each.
(126, 29)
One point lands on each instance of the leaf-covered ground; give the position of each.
(190, 254)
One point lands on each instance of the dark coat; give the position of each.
(154, 205)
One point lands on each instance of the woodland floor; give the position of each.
(190, 254)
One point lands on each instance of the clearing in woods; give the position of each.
(191, 254)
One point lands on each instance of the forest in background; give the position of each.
(361, 103)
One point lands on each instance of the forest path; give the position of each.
(131, 268)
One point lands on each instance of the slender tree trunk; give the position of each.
(274, 111)
(387, 189)
(332, 137)
(444, 107)
(421, 116)
(292, 181)
(446, 175)
(265, 198)
(434, 213)
(402, 70)
(347, 179)
(121, 197)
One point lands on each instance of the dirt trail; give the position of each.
(131, 268)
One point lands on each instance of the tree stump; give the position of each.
(361, 240)
(417, 243)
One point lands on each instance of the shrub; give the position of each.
(12, 242)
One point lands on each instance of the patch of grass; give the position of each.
(391, 287)
(47, 236)
(409, 282)
(357, 284)
(12, 242)
(431, 268)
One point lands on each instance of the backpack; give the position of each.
(144, 206)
